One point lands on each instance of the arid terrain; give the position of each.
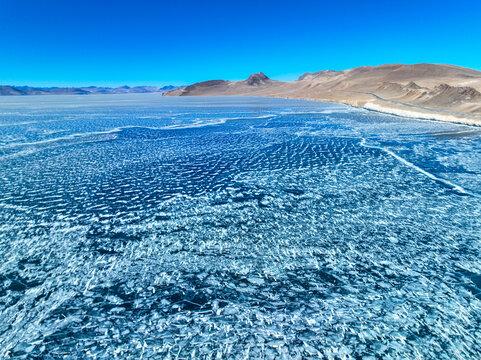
(429, 91)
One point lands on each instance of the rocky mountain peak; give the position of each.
(257, 79)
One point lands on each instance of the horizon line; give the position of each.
(293, 77)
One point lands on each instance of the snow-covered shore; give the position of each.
(421, 114)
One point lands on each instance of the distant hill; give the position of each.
(6, 90)
(434, 91)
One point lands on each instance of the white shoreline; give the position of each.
(421, 115)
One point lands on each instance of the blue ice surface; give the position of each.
(141, 226)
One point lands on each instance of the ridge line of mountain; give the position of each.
(12, 90)
(429, 91)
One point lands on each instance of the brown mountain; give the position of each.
(434, 91)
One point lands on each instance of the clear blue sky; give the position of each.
(107, 42)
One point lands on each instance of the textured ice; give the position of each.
(136, 226)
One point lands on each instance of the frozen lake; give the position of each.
(137, 226)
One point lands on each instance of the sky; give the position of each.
(110, 43)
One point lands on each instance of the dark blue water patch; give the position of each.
(471, 281)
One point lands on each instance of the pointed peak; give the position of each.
(257, 79)
(413, 86)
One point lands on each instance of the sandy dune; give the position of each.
(429, 91)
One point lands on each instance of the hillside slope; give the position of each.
(431, 91)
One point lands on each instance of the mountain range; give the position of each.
(429, 91)
(28, 90)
